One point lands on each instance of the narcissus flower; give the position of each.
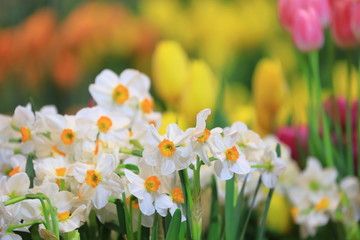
(170, 152)
(230, 158)
(119, 92)
(98, 181)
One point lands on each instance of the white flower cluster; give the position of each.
(85, 161)
(314, 193)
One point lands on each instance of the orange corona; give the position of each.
(25, 134)
(14, 171)
(68, 136)
(120, 94)
(152, 184)
(177, 195)
(204, 136)
(147, 105)
(64, 216)
(104, 124)
(167, 148)
(56, 150)
(232, 154)
(322, 205)
(92, 178)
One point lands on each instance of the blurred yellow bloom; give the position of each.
(269, 89)
(200, 92)
(243, 113)
(170, 70)
(341, 80)
(279, 218)
(172, 117)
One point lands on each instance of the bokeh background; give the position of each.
(230, 55)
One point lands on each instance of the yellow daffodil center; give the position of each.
(97, 145)
(204, 136)
(294, 212)
(232, 154)
(147, 105)
(120, 94)
(25, 134)
(104, 124)
(323, 204)
(152, 184)
(92, 178)
(56, 150)
(64, 216)
(177, 195)
(167, 148)
(134, 202)
(14, 171)
(68, 136)
(60, 172)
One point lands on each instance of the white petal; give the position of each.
(146, 205)
(101, 197)
(18, 183)
(222, 171)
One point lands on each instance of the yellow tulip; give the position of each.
(341, 81)
(269, 89)
(279, 218)
(172, 117)
(170, 71)
(200, 91)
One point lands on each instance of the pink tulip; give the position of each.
(355, 20)
(295, 137)
(341, 23)
(288, 9)
(307, 32)
(322, 9)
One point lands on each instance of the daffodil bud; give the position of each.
(170, 70)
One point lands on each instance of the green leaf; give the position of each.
(29, 169)
(131, 167)
(278, 150)
(74, 235)
(260, 234)
(215, 216)
(174, 228)
(121, 216)
(154, 229)
(229, 209)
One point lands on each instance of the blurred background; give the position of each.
(231, 55)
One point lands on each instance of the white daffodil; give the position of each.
(70, 218)
(273, 168)
(16, 185)
(201, 141)
(23, 120)
(249, 142)
(51, 169)
(64, 132)
(170, 151)
(5, 221)
(107, 126)
(120, 92)
(98, 181)
(146, 189)
(230, 158)
(18, 163)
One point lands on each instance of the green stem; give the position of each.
(14, 200)
(261, 166)
(250, 210)
(139, 226)
(260, 234)
(349, 146)
(137, 144)
(132, 152)
(184, 179)
(53, 214)
(314, 62)
(358, 118)
(32, 196)
(12, 227)
(128, 219)
(229, 209)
